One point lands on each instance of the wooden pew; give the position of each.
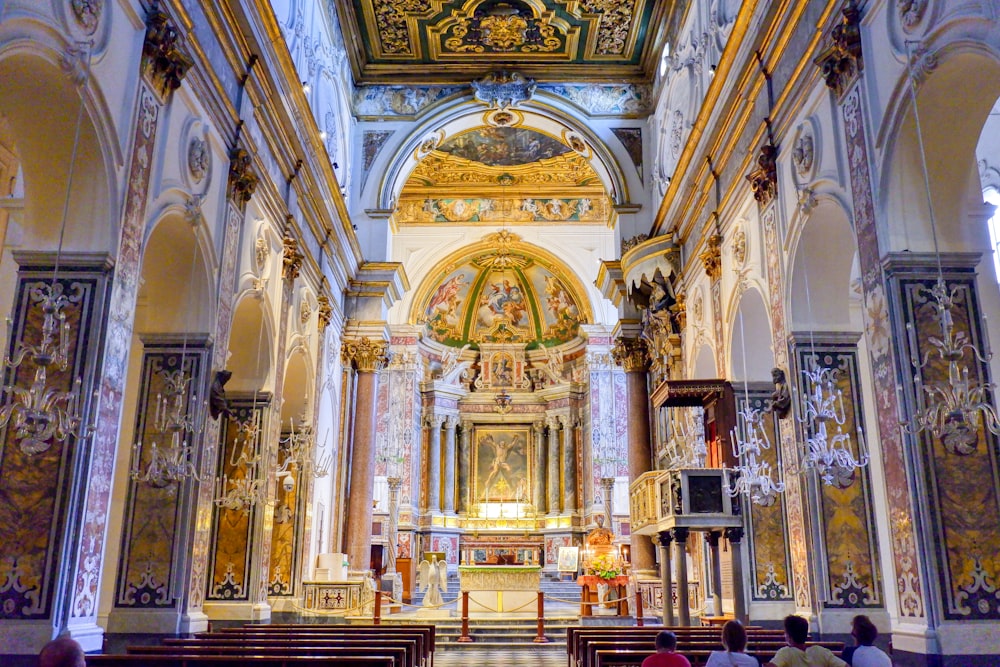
(409, 647)
(251, 652)
(180, 660)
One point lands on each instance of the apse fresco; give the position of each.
(503, 146)
(526, 302)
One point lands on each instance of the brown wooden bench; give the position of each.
(408, 648)
(180, 660)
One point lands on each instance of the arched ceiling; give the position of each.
(504, 174)
(501, 291)
(444, 41)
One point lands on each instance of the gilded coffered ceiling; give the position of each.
(441, 41)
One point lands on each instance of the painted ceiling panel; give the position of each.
(445, 40)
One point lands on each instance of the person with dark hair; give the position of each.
(666, 652)
(865, 654)
(62, 652)
(796, 654)
(734, 638)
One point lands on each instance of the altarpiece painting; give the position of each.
(501, 456)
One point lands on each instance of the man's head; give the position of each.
(863, 630)
(796, 629)
(666, 641)
(62, 652)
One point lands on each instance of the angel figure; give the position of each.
(432, 578)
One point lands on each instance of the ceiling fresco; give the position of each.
(504, 293)
(503, 175)
(441, 41)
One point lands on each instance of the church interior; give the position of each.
(321, 310)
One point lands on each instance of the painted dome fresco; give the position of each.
(503, 291)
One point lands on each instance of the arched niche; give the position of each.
(953, 103)
(297, 391)
(751, 354)
(819, 287)
(41, 106)
(176, 290)
(250, 347)
(704, 364)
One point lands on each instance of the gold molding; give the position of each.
(367, 356)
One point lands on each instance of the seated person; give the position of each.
(796, 654)
(62, 652)
(666, 652)
(734, 638)
(865, 654)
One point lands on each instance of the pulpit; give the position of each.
(617, 591)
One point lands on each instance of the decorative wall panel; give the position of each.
(961, 493)
(35, 506)
(155, 524)
(232, 536)
(846, 514)
(286, 529)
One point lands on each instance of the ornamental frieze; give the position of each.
(438, 168)
(492, 30)
(493, 211)
(614, 27)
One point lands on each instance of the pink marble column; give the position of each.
(631, 355)
(368, 357)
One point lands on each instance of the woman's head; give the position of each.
(734, 637)
(864, 630)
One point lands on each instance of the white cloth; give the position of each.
(870, 656)
(726, 659)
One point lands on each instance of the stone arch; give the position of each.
(252, 352)
(297, 389)
(751, 351)
(703, 366)
(461, 116)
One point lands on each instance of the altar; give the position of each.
(508, 589)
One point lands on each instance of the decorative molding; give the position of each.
(628, 244)
(366, 355)
(242, 178)
(841, 61)
(504, 89)
(711, 257)
(631, 354)
(291, 258)
(87, 14)
(199, 158)
(163, 63)
(324, 313)
(911, 13)
(922, 63)
(802, 154)
(764, 177)
(739, 247)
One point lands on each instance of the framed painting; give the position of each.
(569, 559)
(501, 456)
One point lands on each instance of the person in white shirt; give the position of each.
(734, 638)
(865, 654)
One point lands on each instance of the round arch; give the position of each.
(251, 350)
(751, 350)
(464, 115)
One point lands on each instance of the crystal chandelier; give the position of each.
(753, 476)
(955, 409)
(828, 454)
(241, 492)
(40, 413)
(178, 419)
(300, 455)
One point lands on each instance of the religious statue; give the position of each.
(780, 402)
(600, 536)
(432, 578)
(218, 404)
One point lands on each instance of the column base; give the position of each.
(87, 633)
(25, 637)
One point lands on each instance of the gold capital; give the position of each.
(631, 354)
(367, 356)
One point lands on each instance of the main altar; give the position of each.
(507, 589)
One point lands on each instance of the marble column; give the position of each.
(553, 465)
(368, 357)
(570, 430)
(680, 536)
(632, 356)
(712, 539)
(666, 577)
(464, 461)
(539, 490)
(450, 424)
(735, 536)
(434, 423)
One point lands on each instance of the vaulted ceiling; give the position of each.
(448, 41)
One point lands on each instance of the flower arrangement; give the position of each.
(605, 566)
